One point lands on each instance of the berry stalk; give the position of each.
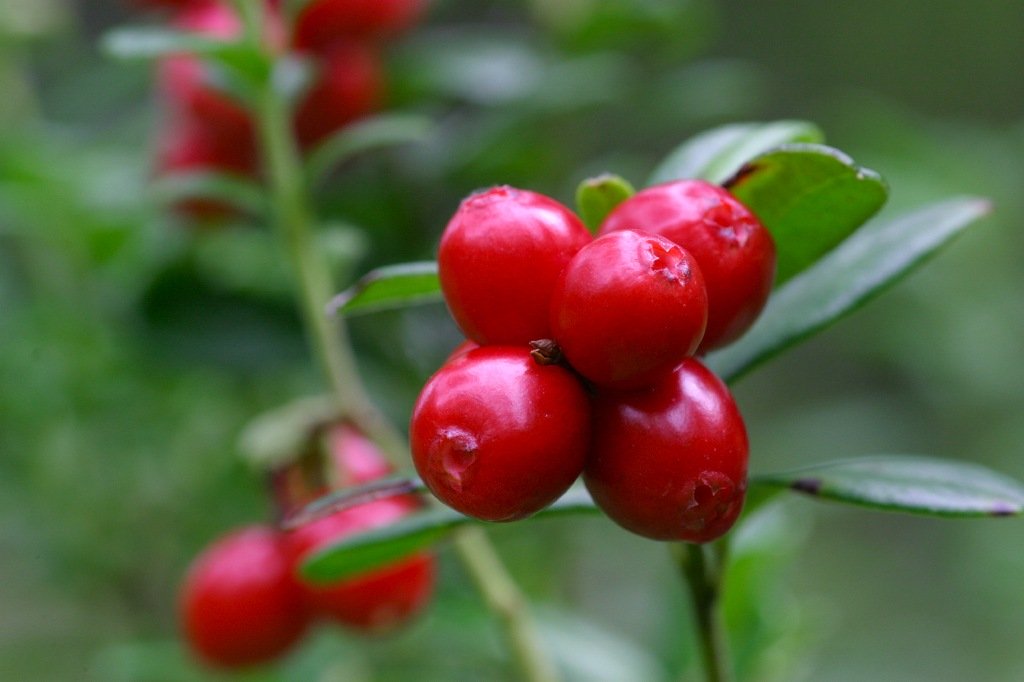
(293, 218)
(702, 568)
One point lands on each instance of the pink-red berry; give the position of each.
(497, 436)
(324, 22)
(736, 254)
(498, 261)
(628, 308)
(670, 463)
(239, 603)
(349, 84)
(374, 602)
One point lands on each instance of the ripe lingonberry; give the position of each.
(381, 599)
(239, 603)
(628, 308)
(670, 463)
(324, 22)
(376, 601)
(497, 436)
(736, 254)
(348, 85)
(498, 261)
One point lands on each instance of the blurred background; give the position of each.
(134, 350)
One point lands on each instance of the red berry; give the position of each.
(349, 85)
(191, 147)
(497, 436)
(628, 308)
(379, 600)
(324, 22)
(498, 261)
(670, 463)
(239, 603)
(735, 252)
(356, 458)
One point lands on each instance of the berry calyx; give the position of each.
(670, 463)
(239, 604)
(628, 308)
(735, 252)
(498, 261)
(497, 436)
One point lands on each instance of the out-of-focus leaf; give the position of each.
(380, 131)
(810, 197)
(366, 551)
(597, 197)
(862, 267)
(239, 193)
(913, 484)
(393, 286)
(717, 154)
(274, 438)
(147, 42)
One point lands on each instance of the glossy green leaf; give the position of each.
(380, 131)
(810, 197)
(393, 286)
(597, 197)
(239, 193)
(874, 258)
(717, 154)
(913, 484)
(381, 546)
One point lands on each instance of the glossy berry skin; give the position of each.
(735, 252)
(497, 436)
(324, 22)
(375, 602)
(349, 85)
(499, 259)
(628, 308)
(670, 463)
(239, 604)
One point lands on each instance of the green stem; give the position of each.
(294, 218)
(504, 599)
(703, 568)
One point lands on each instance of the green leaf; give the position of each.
(235, 191)
(381, 546)
(810, 197)
(373, 133)
(913, 484)
(597, 197)
(718, 153)
(393, 286)
(147, 42)
(277, 437)
(861, 268)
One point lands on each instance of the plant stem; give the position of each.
(505, 600)
(703, 567)
(294, 218)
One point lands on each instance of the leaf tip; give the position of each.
(811, 486)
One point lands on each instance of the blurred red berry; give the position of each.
(324, 22)
(348, 85)
(239, 604)
(374, 602)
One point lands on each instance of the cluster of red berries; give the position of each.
(580, 358)
(243, 601)
(207, 130)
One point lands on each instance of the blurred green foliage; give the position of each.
(134, 351)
